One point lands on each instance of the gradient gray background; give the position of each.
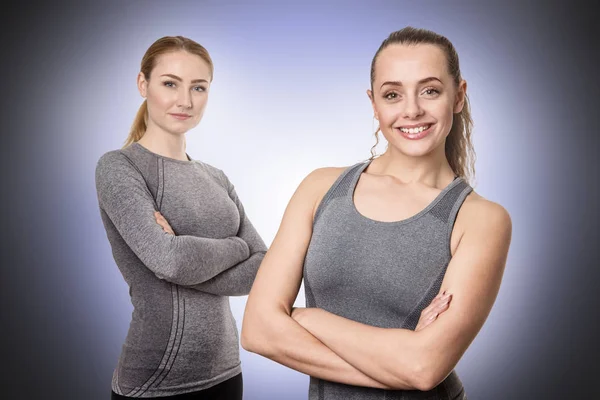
(288, 97)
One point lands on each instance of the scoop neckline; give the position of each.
(139, 146)
(424, 211)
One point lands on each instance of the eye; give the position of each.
(169, 83)
(199, 88)
(391, 96)
(432, 92)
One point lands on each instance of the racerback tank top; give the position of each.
(379, 273)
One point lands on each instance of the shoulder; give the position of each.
(323, 177)
(315, 185)
(111, 161)
(485, 218)
(320, 180)
(116, 168)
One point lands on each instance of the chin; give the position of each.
(414, 149)
(179, 130)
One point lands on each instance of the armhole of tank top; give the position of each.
(460, 199)
(329, 195)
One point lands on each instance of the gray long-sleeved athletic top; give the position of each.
(182, 337)
(379, 273)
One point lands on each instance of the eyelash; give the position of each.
(433, 90)
(396, 95)
(169, 83)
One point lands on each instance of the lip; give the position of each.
(415, 136)
(181, 117)
(414, 125)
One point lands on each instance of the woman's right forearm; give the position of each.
(236, 281)
(284, 341)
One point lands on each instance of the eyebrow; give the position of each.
(181, 80)
(424, 80)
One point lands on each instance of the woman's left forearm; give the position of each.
(392, 356)
(236, 281)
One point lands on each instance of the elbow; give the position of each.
(254, 341)
(423, 382)
(262, 332)
(254, 336)
(426, 376)
(171, 272)
(247, 340)
(422, 371)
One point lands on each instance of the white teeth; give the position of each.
(415, 130)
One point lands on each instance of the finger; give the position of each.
(437, 301)
(163, 224)
(441, 300)
(437, 306)
(166, 227)
(426, 321)
(429, 315)
(444, 303)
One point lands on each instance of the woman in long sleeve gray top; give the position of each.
(183, 339)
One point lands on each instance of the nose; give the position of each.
(184, 99)
(412, 109)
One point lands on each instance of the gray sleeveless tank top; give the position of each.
(379, 273)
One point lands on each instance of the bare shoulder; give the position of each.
(316, 184)
(323, 177)
(485, 217)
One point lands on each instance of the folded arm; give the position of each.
(403, 359)
(185, 260)
(268, 328)
(237, 280)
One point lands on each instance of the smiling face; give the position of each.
(414, 97)
(176, 92)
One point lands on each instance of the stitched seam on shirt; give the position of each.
(412, 319)
(138, 391)
(453, 214)
(162, 180)
(334, 191)
(178, 347)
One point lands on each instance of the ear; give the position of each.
(370, 94)
(460, 97)
(142, 84)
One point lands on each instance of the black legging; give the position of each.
(231, 389)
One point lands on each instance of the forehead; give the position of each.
(185, 65)
(410, 63)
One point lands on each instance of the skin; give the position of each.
(395, 186)
(178, 84)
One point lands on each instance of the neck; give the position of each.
(164, 143)
(431, 169)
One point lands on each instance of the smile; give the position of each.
(414, 130)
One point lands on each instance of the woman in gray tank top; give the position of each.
(180, 238)
(380, 242)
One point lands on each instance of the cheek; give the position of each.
(160, 99)
(387, 113)
(442, 110)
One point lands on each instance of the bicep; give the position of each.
(280, 274)
(127, 202)
(473, 278)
